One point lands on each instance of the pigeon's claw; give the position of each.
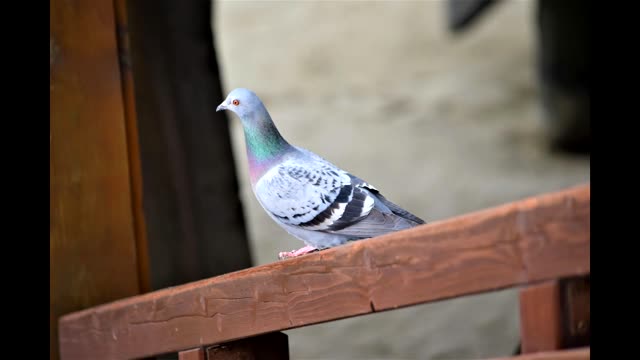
(294, 253)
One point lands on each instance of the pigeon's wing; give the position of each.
(313, 195)
(383, 218)
(385, 204)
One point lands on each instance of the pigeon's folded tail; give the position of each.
(399, 211)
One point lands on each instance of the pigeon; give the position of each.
(311, 198)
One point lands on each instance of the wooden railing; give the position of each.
(541, 244)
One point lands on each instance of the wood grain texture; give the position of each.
(540, 317)
(135, 167)
(193, 354)
(533, 240)
(91, 236)
(572, 354)
(272, 346)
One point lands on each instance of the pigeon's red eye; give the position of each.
(236, 102)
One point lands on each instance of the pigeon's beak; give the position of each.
(221, 107)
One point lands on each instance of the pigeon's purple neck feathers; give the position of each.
(265, 146)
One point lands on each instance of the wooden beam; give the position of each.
(572, 354)
(528, 241)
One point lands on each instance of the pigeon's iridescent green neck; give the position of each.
(264, 145)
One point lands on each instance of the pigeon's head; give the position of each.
(243, 102)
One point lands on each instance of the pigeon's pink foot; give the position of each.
(289, 254)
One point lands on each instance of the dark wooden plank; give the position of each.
(528, 241)
(135, 167)
(272, 346)
(575, 305)
(540, 318)
(193, 354)
(573, 354)
(193, 214)
(92, 242)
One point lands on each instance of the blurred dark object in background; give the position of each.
(195, 223)
(564, 72)
(462, 13)
(562, 66)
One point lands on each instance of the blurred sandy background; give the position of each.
(442, 124)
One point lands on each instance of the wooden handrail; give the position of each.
(532, 240)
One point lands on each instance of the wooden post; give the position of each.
(575, 302)
(555, 315)
(272, 346)
(93, 251)
(135, 170)
(193, 354)
(540, 319)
